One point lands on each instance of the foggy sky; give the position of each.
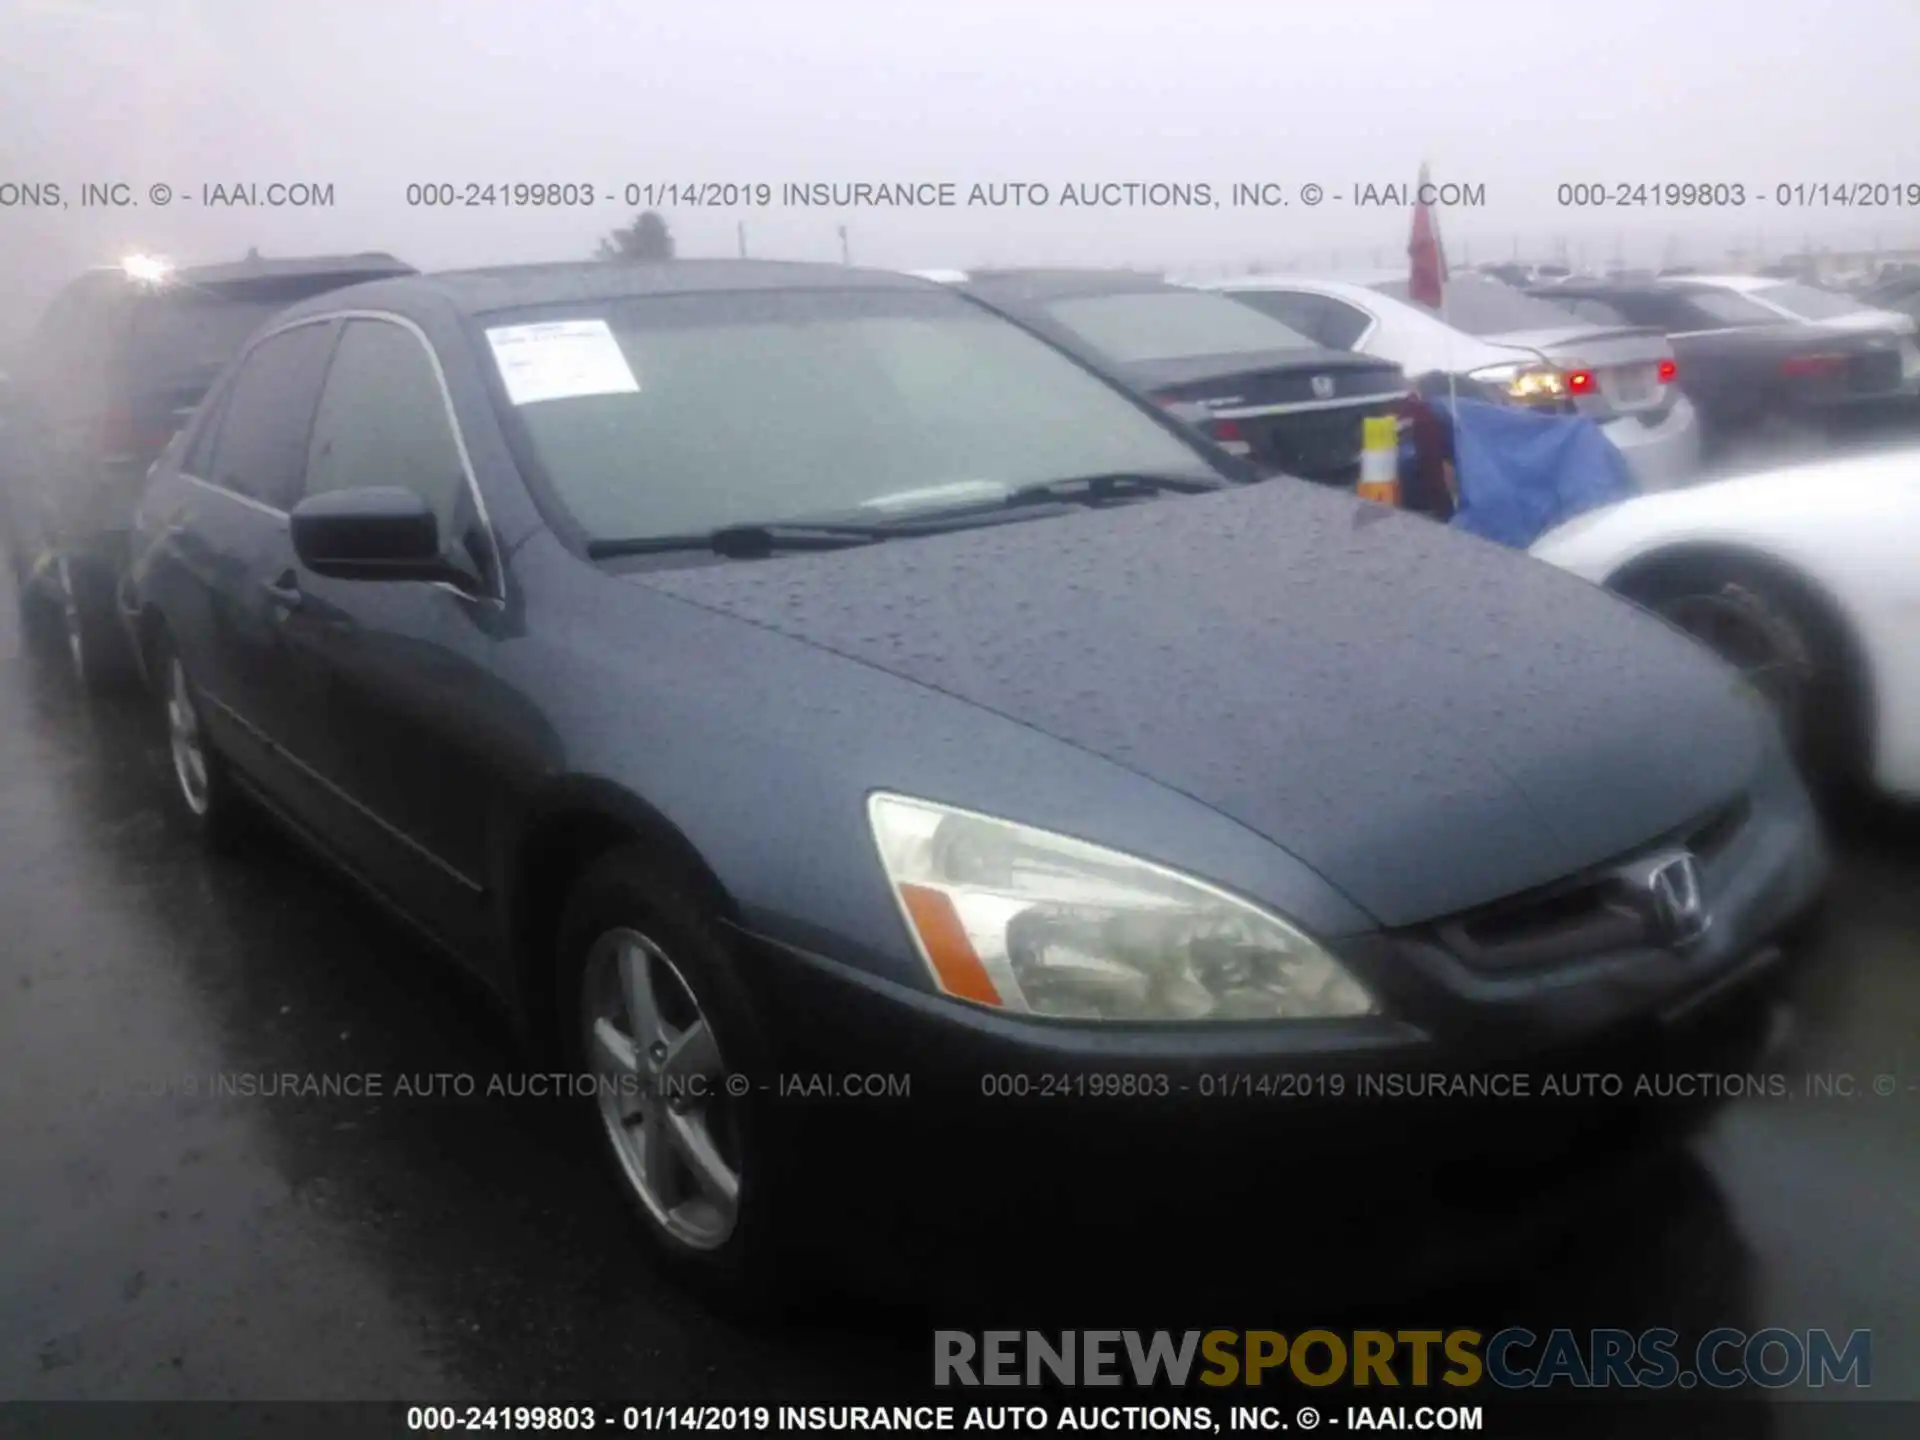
(372, 96)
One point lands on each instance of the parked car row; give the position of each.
(1258, 387)
(1621, 377)
(746, 668)
(1675, 371)
(115, 365)
(1766, 357)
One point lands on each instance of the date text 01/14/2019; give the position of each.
(1154, 1084)
(1735, 195)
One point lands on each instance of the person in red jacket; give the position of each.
(1427, 486)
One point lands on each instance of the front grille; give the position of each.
(1593, 914)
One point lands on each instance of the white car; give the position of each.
(1533, 351)
(1750, 298)
(1806, 579)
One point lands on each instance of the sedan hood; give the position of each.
(1429, 721)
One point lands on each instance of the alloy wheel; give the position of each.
(661, 1089)
(184, 740)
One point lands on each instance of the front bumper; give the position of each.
(1465, 1072)
(1235, 1151)
(1437, 1008)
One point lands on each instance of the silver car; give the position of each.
(1534, 352)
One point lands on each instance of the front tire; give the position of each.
(652, 1010)
(1767, 626)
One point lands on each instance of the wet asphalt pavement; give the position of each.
(157, 1242)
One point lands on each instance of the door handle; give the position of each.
(284, 592)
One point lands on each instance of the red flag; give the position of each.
(1429, 274)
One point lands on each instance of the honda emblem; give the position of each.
(1679, 905)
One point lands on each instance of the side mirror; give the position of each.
(379, 533)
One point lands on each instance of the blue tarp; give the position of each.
(1522, 472)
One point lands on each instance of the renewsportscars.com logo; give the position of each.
(1512, 1359)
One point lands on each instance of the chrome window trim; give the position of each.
(497, 589)
(232, 494)
(1247, 412)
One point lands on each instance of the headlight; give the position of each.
(1529, 384)
(1036, 923)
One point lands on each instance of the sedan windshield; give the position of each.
(1172, 325)
(1715, 308)
(1809, 302)
(756, 407)
(1486, 307)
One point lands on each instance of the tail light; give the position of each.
(1227, 435)
(1580, 382)
(1524, 384)
(1669, 372)
(1805, 366)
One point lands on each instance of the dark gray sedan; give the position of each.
(791, 689)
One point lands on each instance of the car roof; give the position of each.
(1345, 286)
(1725, 282)
(1599, 288)
(512, 287)
(349, 269)
(1039, 284)
(1281, 281)
(369, 263)
(1286, 279)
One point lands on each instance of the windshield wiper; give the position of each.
(751, 541)
(745, 542)
(1110, 486)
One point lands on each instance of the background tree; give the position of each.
(647, 238)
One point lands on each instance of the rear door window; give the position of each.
(261, 448)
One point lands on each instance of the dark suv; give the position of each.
(116, 364)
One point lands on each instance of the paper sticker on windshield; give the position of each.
(559, 360)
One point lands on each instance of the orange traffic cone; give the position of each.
(1380, 460)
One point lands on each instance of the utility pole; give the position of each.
(846, 254)
(743, 239)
